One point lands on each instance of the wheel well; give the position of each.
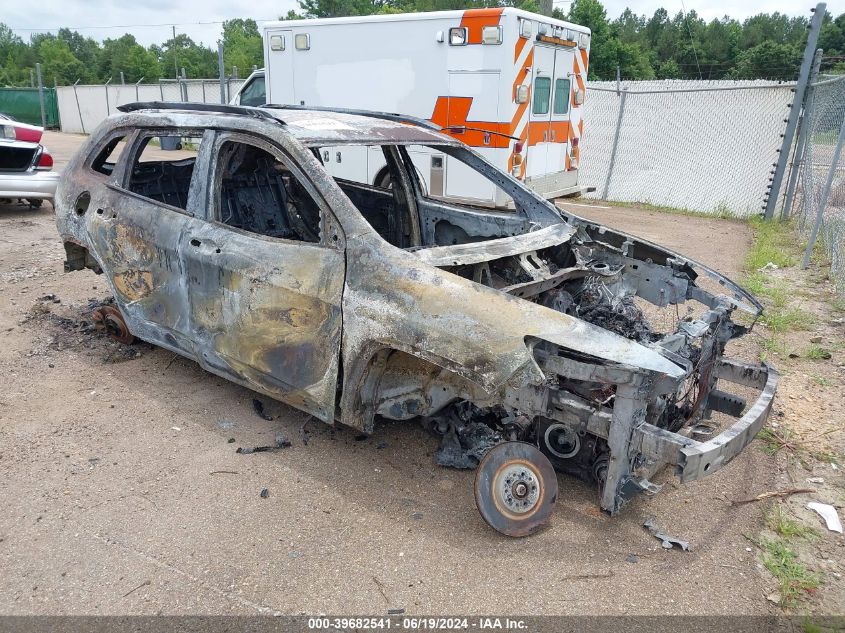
(77, 257)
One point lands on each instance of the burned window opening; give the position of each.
(259, 194)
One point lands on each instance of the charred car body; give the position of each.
(524, 325)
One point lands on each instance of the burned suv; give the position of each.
(531, 340)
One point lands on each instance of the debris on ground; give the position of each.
(281, 442)
(828, 513)
(666, 541)
(777, 493)
(303, 433)
(768, 267)
(258, 406)
(464, 447)
(264, 493)
(395, 611)
(815, 480)
(226, 424)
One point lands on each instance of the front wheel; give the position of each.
(515, 488)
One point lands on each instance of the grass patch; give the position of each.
(838, 304)
(774, 440)
(785, 319)
(794, 579)
(760, 285)
(773, 345)
(774, 241)
(817, 352)
(822, 381)
(721, 211)
(782, 525)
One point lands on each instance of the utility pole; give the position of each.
(175, 54)
(222, 70)
(546, 7)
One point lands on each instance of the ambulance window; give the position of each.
(542, 90)
(561, 105)
(254, 93)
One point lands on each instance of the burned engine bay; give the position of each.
(627, 287)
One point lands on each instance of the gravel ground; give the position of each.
(123, 494)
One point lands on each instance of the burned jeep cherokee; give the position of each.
(527, 337)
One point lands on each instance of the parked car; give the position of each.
(529, 339)
(25, 165)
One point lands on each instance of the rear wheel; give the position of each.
(109, 320)
(515, 488)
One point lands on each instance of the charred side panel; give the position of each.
(268, 312)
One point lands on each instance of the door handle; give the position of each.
(553, 135)
(545, 136)
(325, 156)
(337, 157)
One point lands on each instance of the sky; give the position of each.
(150, 20)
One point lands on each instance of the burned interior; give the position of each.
(518, 333)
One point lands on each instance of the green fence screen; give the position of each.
(22, 104)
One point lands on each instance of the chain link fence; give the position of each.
(819, 205)
(706, 146)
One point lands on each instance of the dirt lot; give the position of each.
(122, 491)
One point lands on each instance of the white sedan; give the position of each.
(26, 166)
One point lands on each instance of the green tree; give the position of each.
(59, 64)
(603, 49)
(182, 52)
(832, 37)
(669, 70)
(85, 49)
(242, 45)
(126, 55)
(769, 60)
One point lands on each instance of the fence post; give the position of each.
(222, 70)
(825, 194)
(137, 98)
(615, 143)
(31, 78)
(78, 108)
(122, 79)
(106, 86)
(41, 95)
(803, 125)
(792, 121)
(161, 89)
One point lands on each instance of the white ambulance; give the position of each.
(509, 83)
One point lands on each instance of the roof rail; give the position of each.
(219, 108)
(387, 116)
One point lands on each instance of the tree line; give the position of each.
(660, 46)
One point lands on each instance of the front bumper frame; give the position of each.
(695, 460)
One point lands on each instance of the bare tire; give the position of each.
(515, 488)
